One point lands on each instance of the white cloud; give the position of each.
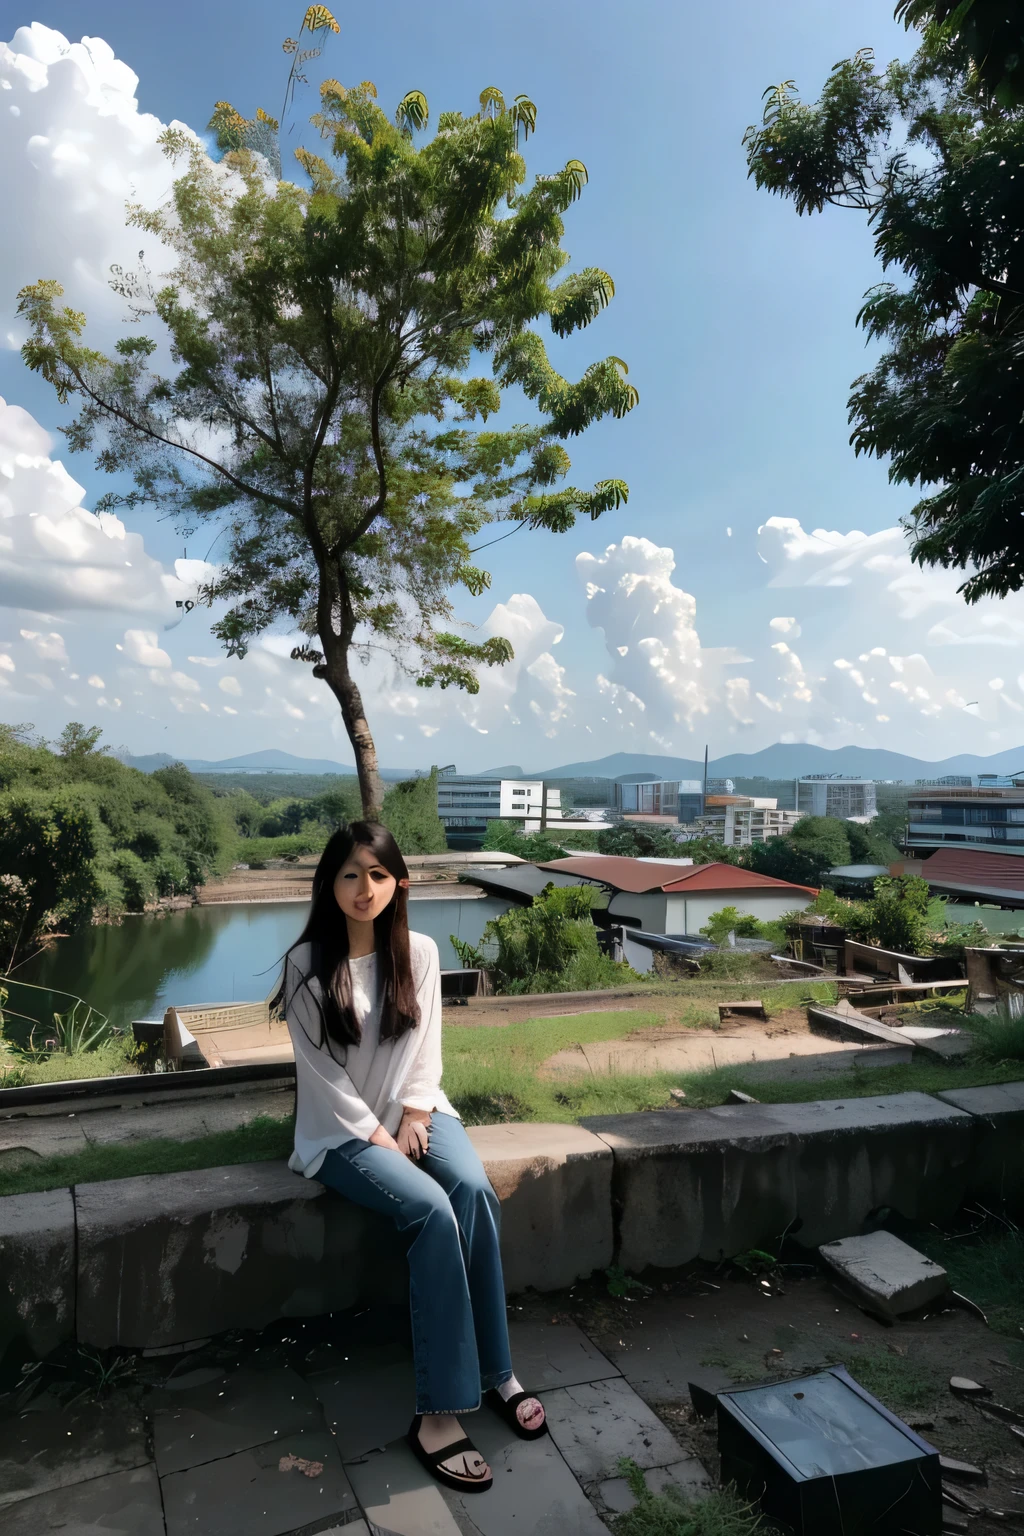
(56, 555)
(49, 647)
(230, 684)
(96, 681)
(76, 150)
(142, 646)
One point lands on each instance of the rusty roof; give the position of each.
(636, 875)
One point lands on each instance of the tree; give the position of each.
(47, 847)
(932, 152)
(824, 837)
(410, 814)
(899, 913)
(321, 407)
(815, 845)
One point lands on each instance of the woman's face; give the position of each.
(362, 887)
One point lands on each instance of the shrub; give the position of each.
(255, 851)
(410, 814)
(135, 878)
(998, 1036)
(550, 946)
(170, 875)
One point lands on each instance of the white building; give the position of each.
(831, 794)
(466, 803)
(751, 820)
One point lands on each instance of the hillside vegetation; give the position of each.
(81, 833)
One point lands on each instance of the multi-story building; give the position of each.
(832, 794)
(989, 819)
(739, 820)
(947, 781)
(749, 820)
(680, 799)
(467, 802)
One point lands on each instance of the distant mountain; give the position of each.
(506, 771)
(270, 761)
(786, 760)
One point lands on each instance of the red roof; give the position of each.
(972, 867)
(635, 875)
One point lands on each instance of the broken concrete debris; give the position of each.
(886, 1274)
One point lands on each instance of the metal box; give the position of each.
(821, 1456)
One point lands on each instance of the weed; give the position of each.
(987, 1265)
(620, 1283)
(671, 1514)
(101, 1376)
(900, 1383)
(997, 1036)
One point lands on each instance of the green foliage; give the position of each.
(79, 830)
(410, 814)
(672, 1514)
(899, 913)
(258, 851)
(743, 924)
(136, 879)
(550, 946)
(929, 151)
(509, 837)
(633, 840)
(998, 1036)
(325, 331)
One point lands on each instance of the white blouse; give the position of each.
(335, 1103)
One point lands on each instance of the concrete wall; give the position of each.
(164, 1259)
(675, 912)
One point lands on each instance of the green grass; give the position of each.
(260, 1141)
(111, 1059)
(997, 1037)
(987, 1267)
(491, 1077)
(670, 1514)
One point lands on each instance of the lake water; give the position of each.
(206, 954)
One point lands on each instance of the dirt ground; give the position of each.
(724, 1327)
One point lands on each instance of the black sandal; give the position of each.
(432, 1461)
(506, 1409)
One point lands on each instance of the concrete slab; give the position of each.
(368, 1398)
(37, 1270)
(546, 1355)
(26, 1141)
(44, 1451)
(221, 1248)
(550, 1179)
(233, 1413)
(122, 1504)
(692, 1050)
(534, 1492)
(400, 1498)
(711, 1183)
(593, 1425)
(687, 1476)
(996, 1173)
(261, 1489)
(890, 1276)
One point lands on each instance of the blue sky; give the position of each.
(737, 321)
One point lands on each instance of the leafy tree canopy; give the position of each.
(933, 152)
(322, 405)
(410, 813)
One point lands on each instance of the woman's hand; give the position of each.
(413, 1135)
(383, 1138)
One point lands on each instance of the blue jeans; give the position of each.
(456, 1291)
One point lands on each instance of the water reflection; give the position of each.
(210, 954)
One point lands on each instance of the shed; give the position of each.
(668, 898)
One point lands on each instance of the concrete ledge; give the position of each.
(37, 1270)
(169, 1257)
(996, 1173)
(163, 1259)
(555, 1184)
(710, 1183)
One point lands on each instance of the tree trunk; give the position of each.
(345, 689)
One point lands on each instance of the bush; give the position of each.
(410, 814)
(743, 924)
(135, 879)
(998, 1036)
(170, 875)
(550, 946)
(255, 851)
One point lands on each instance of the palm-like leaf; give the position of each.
(580, 299)
(413, 111)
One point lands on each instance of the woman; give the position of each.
(362, 996)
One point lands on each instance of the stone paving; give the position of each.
(259, 1446)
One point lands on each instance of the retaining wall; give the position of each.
(167, 1258)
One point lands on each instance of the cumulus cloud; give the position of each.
(661, 676)
(76, 150)
(57, 556)
(142, 646)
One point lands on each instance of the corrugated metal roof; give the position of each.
(971, 867)
(637, 876)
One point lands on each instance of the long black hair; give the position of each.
(326, 931)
